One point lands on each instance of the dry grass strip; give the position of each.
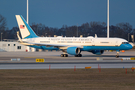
(67, 79)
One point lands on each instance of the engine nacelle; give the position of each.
(73, 50)
(97, 52)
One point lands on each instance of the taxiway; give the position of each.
(54, 61)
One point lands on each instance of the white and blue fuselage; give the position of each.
(69, 45)
(85, 44)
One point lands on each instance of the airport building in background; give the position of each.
(11, 45)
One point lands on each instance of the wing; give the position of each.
(54, 45)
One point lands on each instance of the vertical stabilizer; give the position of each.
(25, 29)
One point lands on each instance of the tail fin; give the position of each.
(25, 29)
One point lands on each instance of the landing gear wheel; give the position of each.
(117, 56)
(64, 55)
(76, 55)
(79, 55)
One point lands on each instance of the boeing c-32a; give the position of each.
(69, 45)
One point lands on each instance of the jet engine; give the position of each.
(97, 52)
(73, 50)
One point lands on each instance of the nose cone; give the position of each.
(132, 44)
(129, 46)
(126, 46)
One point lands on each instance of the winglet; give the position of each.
(20, 40)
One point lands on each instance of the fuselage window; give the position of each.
(44, 41)
(104, 42)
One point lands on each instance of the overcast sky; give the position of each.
(55, 13)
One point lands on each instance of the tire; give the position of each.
(62, 55)
(117, 56)
(79, 55)
(65, 55)
(76, 55)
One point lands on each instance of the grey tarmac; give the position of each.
(54, 61)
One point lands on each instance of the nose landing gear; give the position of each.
(117, 56)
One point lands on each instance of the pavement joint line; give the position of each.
(65, 62)
(30, 57)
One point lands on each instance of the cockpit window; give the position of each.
(125, 43)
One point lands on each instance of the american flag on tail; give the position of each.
(22, 26)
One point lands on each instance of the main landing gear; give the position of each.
(79, 55)
(64, 55)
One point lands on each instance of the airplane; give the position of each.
(69, 45)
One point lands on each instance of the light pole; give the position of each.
(27, 11)
(107, 18)
(1, 36)
(77, 30)
(133, 35)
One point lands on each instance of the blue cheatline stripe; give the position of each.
(32, 33)
(88, 48)
(121, 47)
(45, 48)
